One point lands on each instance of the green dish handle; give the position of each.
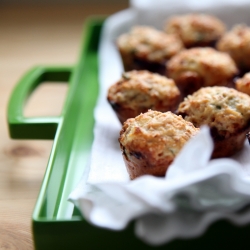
(21, 127)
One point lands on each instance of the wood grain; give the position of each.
(29, 36)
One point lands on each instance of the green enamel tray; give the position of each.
(56, 223)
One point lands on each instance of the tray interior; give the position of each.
(74, 135)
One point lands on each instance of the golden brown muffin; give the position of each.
(225, 110)
(196, 29)
(152, 140)
(200, 67)
(138, 91)
(243, 84)
(144, 47)
(237, 43)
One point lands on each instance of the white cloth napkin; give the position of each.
(196, 191)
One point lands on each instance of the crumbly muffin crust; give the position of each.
(151, 141)
(201, 67)
(196, 29)
(147, 43)
(236, 42)
(243, 84)
(223, 108)
(138, 91)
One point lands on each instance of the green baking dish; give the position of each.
(56, 223)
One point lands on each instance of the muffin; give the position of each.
(144, 47)
(243, 84)
(201, 67)
(225, 110)
(196, 29)
(138, 91)
(151, 141)
(237, 43)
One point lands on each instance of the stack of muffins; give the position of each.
(191, 73)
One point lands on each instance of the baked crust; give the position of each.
(138, 91)
(225, 110)
(243, 84)
(236, 43)
(200, 67)
(196, 29)
(145, 47)
(151, 141)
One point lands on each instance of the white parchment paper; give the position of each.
(196, 191)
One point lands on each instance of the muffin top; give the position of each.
(225, 109)
(147, 43)
(195, 28)
(156, 135)
(143, 89)
(243, 84)
(213, 66)
(236, 42)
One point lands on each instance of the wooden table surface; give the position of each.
(29, 36)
